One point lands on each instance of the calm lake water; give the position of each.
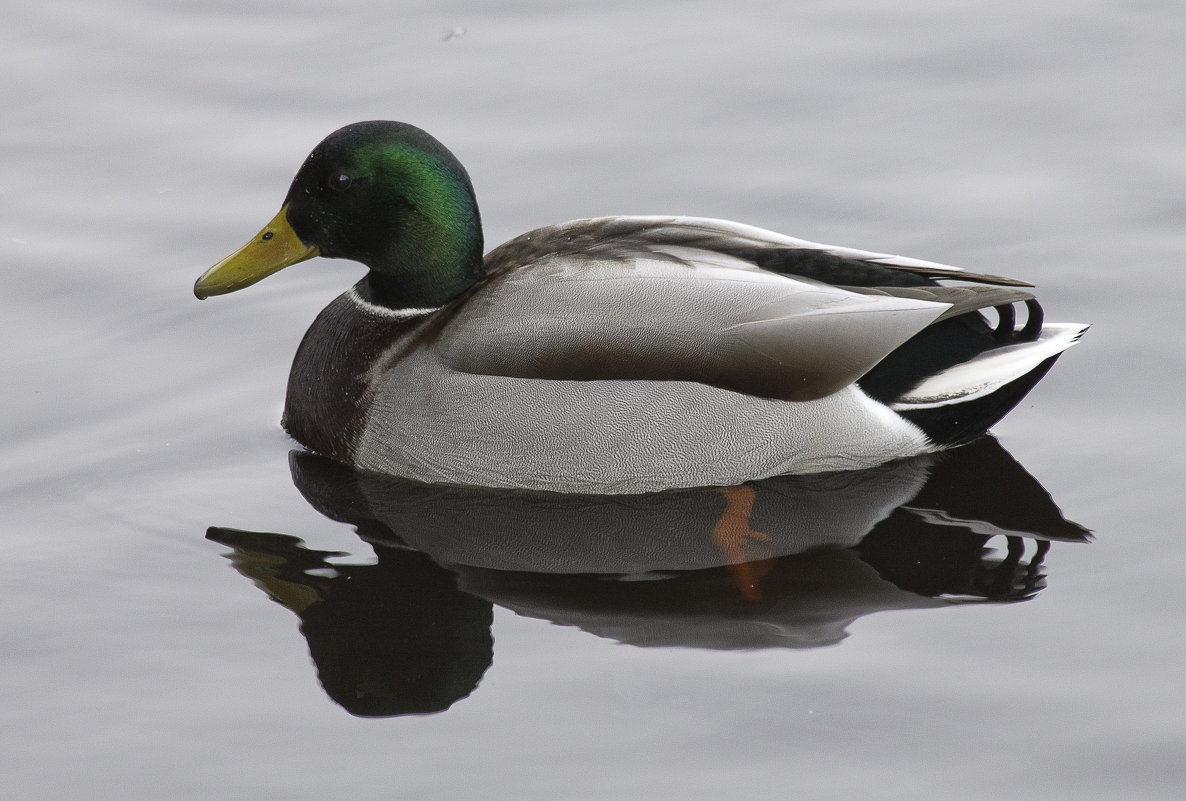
(188, 615)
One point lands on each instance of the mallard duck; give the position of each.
(619, 354)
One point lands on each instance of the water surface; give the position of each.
(162, 626)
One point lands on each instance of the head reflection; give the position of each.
(391, 638)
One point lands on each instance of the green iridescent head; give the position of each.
(382, 193)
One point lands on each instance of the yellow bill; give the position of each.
(275, 247)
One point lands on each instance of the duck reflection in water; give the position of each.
(786, 562)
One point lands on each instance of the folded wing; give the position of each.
(663, 303)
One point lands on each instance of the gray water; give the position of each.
(141, 659)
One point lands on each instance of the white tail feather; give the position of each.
(989, 371)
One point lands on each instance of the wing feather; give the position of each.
(627, 300)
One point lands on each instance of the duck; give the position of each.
(620, 355)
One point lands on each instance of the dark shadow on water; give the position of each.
(787, 562)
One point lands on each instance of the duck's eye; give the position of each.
(338, 181)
